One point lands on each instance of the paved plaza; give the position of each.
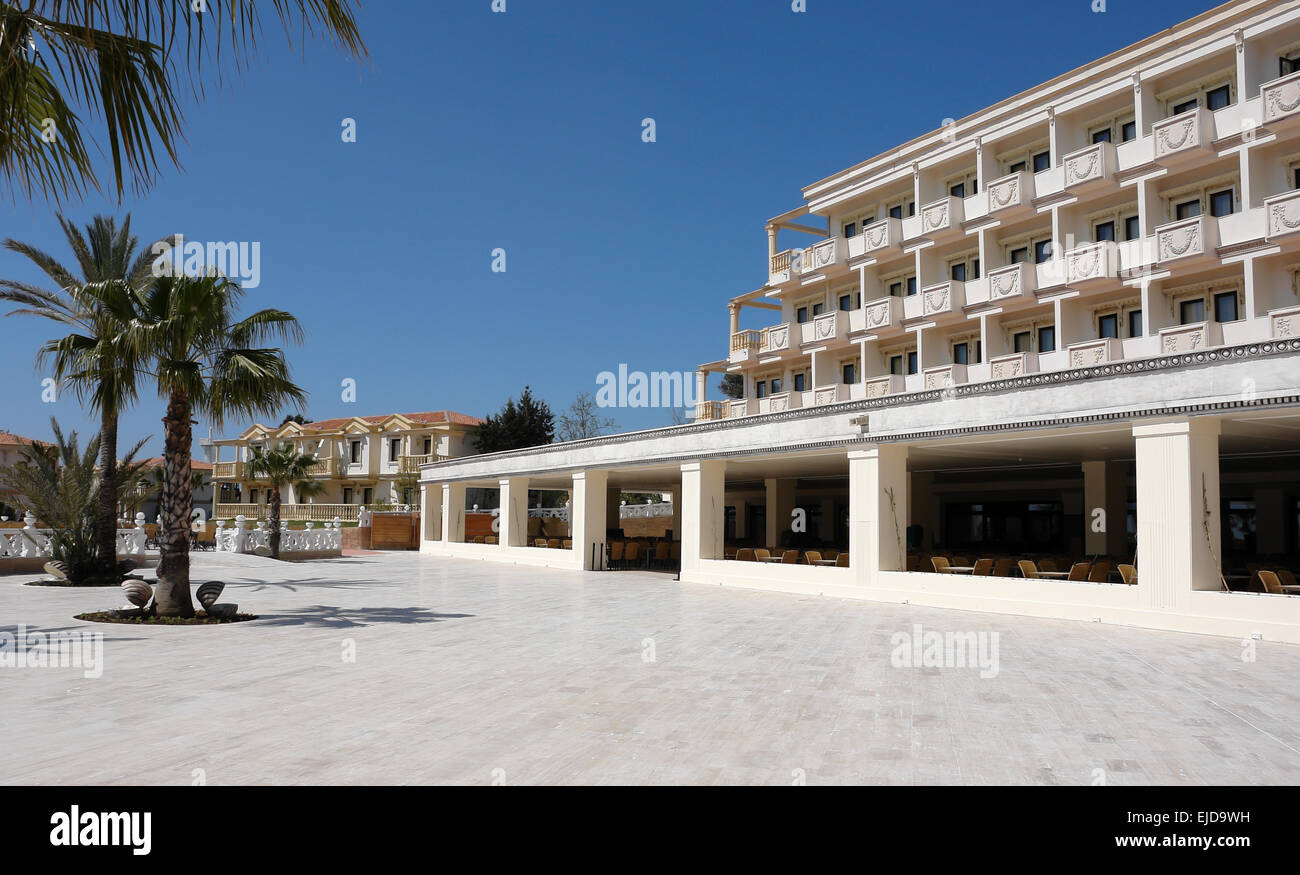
(403, 669)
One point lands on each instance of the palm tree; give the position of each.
(130, 63)
(204, 362)
(280, 467)
(96, 306)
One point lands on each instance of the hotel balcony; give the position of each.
(1090, 167)
(877, 239)
(745, 345)
(1283, 215)
(775, 339)
(937, 221)
(823, 257)
(1011, 282)
(708, 411)
(1184, 136)
(828, 395)
(781, 268)
(1281, 99)
(1090, 264)
(937, 300)
(1284, 324)
(878, 315)
(780, 403)
(1011, 195)
(826, 328)
(945, 376)
(883, 387)
(1096, 352)
(739, 407)
(1187, 240)
(323, 468)
(1006, 367)
(227, 470)
(411, 464)
(1190, 338)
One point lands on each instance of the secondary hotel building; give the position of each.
(1065, 324)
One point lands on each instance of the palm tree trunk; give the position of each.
(106, 525)
(275, 521)
(172, 595)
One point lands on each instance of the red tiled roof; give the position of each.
(16, 440)
(431, 417)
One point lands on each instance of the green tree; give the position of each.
(528, 423)
(96, 306)
(732, 385)
(583, 420)
(280, 467)
(294, 417)
(129, 63)
(204, 361)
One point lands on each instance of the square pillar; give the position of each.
(703, 511)
(878, 511)
(1177, 510)
(431, 511)
(677, 513)
(742, 512)
(587, 510)
(613, 501)
(1105, 488)
(514, 511)
(453, 513)
(780, 509)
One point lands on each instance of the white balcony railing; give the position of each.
(1187, 239)
(830, 394)
(825, 328)
(1284, 324)
(1183, 136)
(940, 299)
(877, 239)
(882, 387)
(1190, 338)
(739, 407)
(945, 376)
(319, 513)
(1013, 281)
(1011, 193)
(776, 338)
(781, 267)
(822, 256)
(942, 218)
(1282, 215)
(1005, 367)
(1096, 352)
(1281, 98)
(1089, 166)
(745, 344)
(1090, 263)
(707, 411)
(878, 315)
(780, 403)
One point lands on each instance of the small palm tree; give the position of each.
(96, 307)
(206, 361)
(281, 467)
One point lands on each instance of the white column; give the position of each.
(514, 511)
(742, 512)
(703, 511)
(1177, 510)
(431, 511)
(613, 501)
(588, 509)
(878, 510)
(453, 513)
(1104, 489)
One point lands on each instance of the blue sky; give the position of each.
(522, 131)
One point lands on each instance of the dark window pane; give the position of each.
(1129, 131)
(1185, 106)
(846, 302)
(1190, 312)
(801, 315)
(1221, 203)
(1042, 251)
(911, 286)
(958, 272)
(1042, 161)
(896, 364)
(911, 208)
(818, 309)
(911, 362)
(1219, 97)
(798, 382)
(1021, 342)
(1187, 209)
(851, 229)
(1225, 307)
(1047, 339)
(896, 212)
(1135, 328)
(776, 385)
(1019, 256)
(958, 190)
(1102, 136)
(1131, 228)
(850, 373)
(1020, 165)
(1287, 66)
(760, 388)
(960, 353)
(1105, 231)
(896, 290)
(1108, 325)
(975, 266)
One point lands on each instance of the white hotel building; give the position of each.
(1065, 325)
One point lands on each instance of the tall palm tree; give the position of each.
(130, 63)
(281, 467)
(96, 305)
(206, 361)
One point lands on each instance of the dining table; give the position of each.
(1054, 575)
(961, 569)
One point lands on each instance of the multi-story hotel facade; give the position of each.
(1066, 324)
(361, 461)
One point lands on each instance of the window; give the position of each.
(911, 286)
(848, 301)
(252, 496)
(896, 364)
(1295, 177)
(1042, 161)
(911, 362)
(1219, 97)
(800, 381)
(1187, 209)
(1221, 203)
(1225, 307)
(776, 385)
(347, 494)
(896, 289)
(849, 372)
(1108, 325)
(1022, 341)
(1288, 64)
(760, 389)
(1185, 106)
(1104, 231)
(1135, 328)
(850, 229)
(1047, 338)
(903, 287)
(897, 211)
(958, 190)
(964, 269)
(428, 447)
(1191, 311)
(1017, 167)
(960, 353)
(1132, 229)
(1020, 255)
(354, 452)
(801, 315)
(818, 309)
(1042, 251)
(367, 496)
(1128, 131)
(958, 271)
(394, 449)
(1101, 135)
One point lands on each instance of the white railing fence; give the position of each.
(30, 542)
(239, 538)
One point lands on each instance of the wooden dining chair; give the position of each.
(1100, 571)
(1129, 574)
(940, 564)
(960, 562)
(661, 553)
(1028, 569)
(842, 560)
(983, 568)
(616, 553)
(1079, 571)
(566, 544)
(790, 557)
(746, 554)
(1285, 577)
(812, 557)
(1270, 582)
(1002, 567)
(761, 554)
